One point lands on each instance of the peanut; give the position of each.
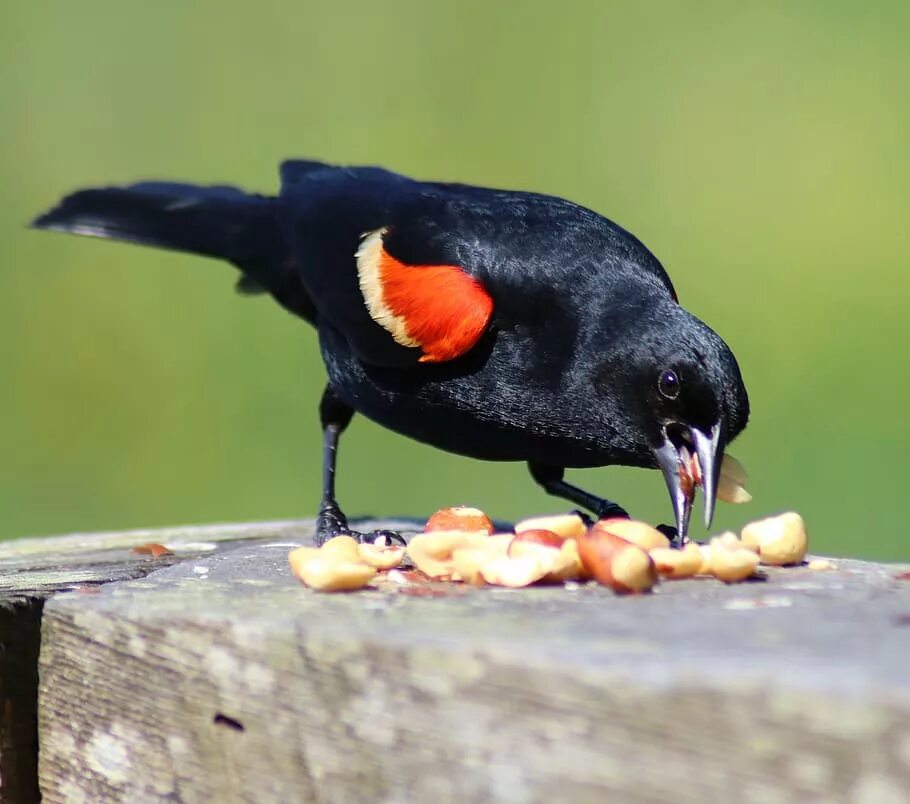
(432, 552)
(566, 526)
(300, 554)
(638, 533)
(672, 563)
(705, 551)
(731, 564)
(565, 565)
(558, 556)
(577, 571)
(460, 517)
(327, 573)
(514, 572)
(616, 562)
(341, 547)
(467, 561)
(731, 485)
(531, 540)
(780, 540)
(732, 542)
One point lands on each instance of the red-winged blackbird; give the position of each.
(495, 324)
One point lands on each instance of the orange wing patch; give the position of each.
(438, 308)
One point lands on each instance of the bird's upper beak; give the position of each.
(677, 460)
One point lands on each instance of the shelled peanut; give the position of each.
(459, 544)
(675, 563)
(616, 562)
(638, 533)
(341, 564)
(779, 540)
(565, 526)
(460, 518)
(729, 560)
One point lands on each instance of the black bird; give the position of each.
(499, 325)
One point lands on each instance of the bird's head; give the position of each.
(688, 402)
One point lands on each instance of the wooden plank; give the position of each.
(222, 679)
(33, 569)
(38, 567)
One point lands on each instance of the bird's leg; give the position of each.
(335, 416)
(551, 478)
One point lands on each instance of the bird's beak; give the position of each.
(710, 454)
(676, 459)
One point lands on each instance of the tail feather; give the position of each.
(221, 222)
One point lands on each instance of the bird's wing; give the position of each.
(364, 240)
(436, 308)
(411, 272)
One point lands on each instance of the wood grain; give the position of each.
(220, 678)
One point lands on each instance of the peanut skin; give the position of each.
(615, 562)
(639, 533)
(566, 526)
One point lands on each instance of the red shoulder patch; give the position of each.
(438, 308)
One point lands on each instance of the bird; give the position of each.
(496, 324)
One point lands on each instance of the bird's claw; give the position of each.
(672, 534)
(610, 510)
(584, 516)
(390, 536)
(331, 522)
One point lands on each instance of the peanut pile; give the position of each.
(460, 545)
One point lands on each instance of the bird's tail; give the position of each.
(221, 222)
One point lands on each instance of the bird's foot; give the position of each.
(332, 522)
(672, 534)
(584, 516)
(607, 509)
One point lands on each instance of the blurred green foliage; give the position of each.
(757, 149)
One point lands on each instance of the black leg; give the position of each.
(335, 416)
(550, 477)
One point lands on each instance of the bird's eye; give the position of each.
(668, 384)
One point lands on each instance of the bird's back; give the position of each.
(534, 254)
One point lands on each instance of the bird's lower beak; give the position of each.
(676, 458)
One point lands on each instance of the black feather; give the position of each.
(219, 221)
(586, 318)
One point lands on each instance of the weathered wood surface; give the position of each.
(33, 569)
(38, 567)
(221, 678)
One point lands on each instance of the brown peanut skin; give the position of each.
(638, 533)
(598, 549)
(566, 526)
(545, 538)
(459, 517)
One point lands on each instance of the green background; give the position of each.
(758, 149)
